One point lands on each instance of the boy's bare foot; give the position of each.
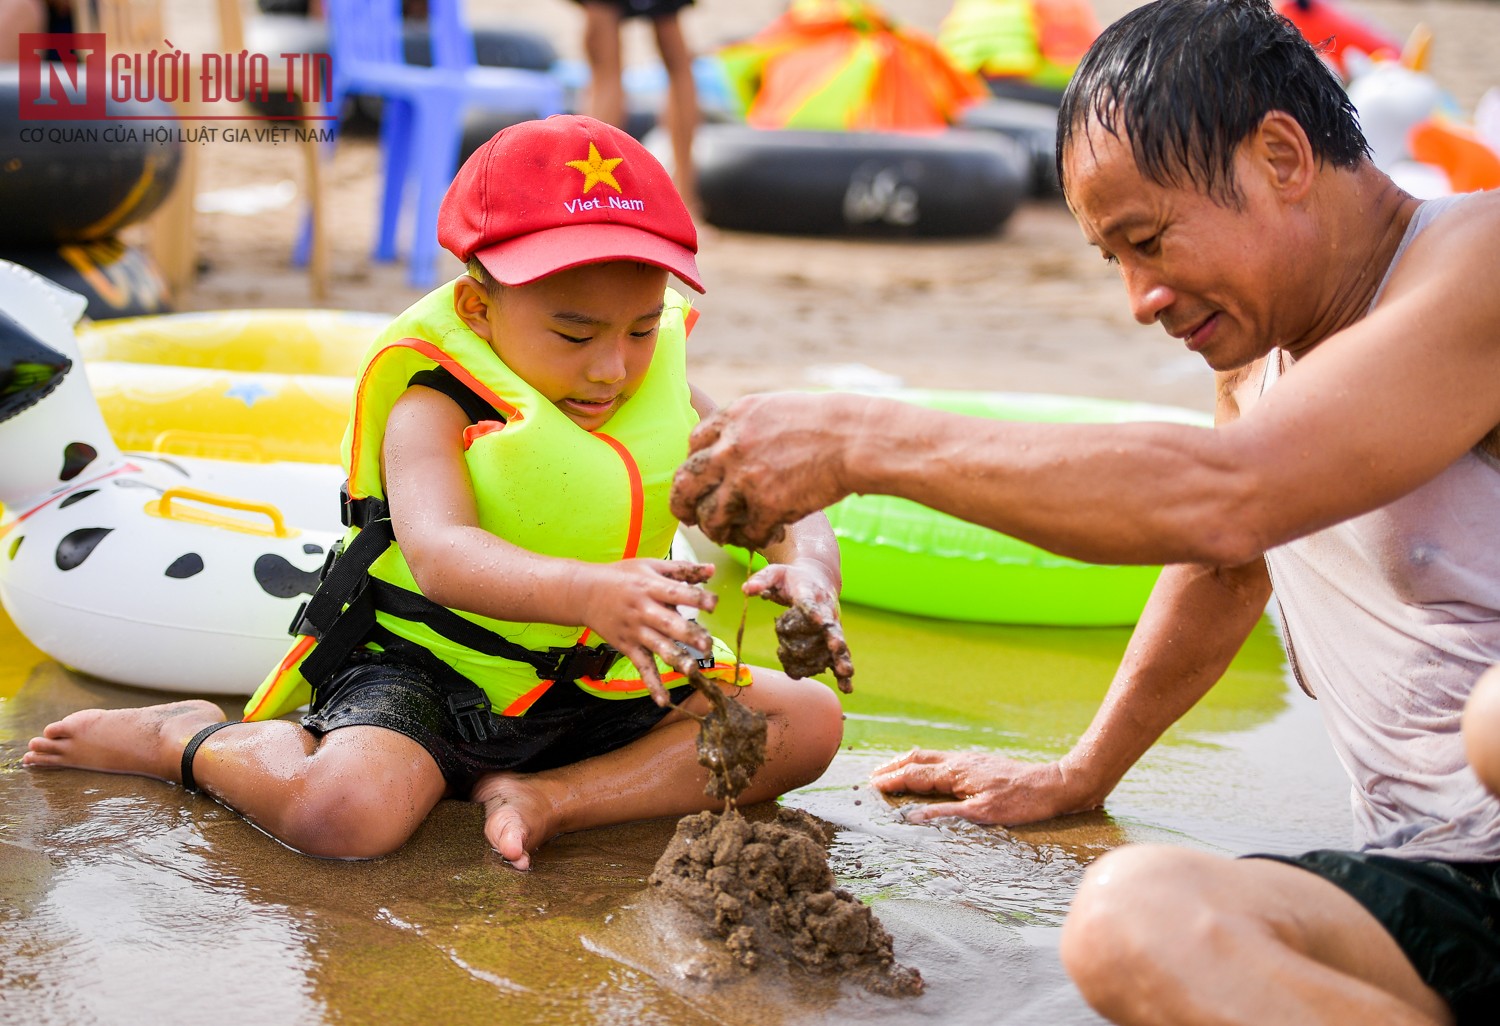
(147, 742)
(518, 816)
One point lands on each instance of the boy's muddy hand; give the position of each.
(633, 606)
(985, 787)
(759, 463)
(809, 635)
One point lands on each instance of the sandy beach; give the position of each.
(1031, 308)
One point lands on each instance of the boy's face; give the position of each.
(583, 338)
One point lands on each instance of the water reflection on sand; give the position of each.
(124, 900)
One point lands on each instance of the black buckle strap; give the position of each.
(342, 611)
(471, 710)
(580, 661)
(345, 578)
(563, 665)
(361, 513)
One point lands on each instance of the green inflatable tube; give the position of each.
(901, 556)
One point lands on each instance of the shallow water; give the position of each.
(124, 900)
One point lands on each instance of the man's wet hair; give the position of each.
(1187, 81)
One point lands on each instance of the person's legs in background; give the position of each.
(601, 44)
(681, 114)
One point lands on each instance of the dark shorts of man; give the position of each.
(564, 726)
(643, 8)
(1444, 915)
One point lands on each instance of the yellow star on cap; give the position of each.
(597, 169)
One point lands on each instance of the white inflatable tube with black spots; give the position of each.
(165, 572)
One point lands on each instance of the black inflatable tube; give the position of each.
(73, 181)
(116, 279)
(858, 183)
(1017, 89)
(1032, 125)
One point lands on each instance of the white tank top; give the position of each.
(1388, 620)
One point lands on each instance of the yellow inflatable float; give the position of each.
(252, 385)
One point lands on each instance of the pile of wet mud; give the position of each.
(765, 892)
(762, 893)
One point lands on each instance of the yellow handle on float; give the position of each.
(162, 507)
(207, 444)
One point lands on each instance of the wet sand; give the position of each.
(124, 900)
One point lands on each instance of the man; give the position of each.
(1356, 462)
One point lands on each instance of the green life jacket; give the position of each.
(540, 482)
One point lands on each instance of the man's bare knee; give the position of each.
(1138, 907)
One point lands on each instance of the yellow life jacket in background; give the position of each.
(540, 482)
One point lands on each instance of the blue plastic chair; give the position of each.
(422, 111)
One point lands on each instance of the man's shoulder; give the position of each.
(1459, 240)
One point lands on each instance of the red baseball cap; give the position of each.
(543, 196)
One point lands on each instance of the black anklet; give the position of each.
(188, 781)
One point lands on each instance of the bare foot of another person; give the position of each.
(147, 742)
(518, 816)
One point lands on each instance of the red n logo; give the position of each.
(71, 88)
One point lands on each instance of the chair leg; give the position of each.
(311, 246)
(397, 119)
(315, 225)
(438, 137)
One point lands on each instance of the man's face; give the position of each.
(1209, 274)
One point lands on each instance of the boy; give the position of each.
(510, 453)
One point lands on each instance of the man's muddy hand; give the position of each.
(985, 787)
(759, 463)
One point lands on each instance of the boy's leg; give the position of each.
(601, 44)
(681, 113)
(1168, 936)
(358, 792)
(658, 774)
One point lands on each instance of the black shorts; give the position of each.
(566, 725)
(644, 8)
(1444, 915)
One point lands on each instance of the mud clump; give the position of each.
(765, 891)
(731, 743)
(803, 647)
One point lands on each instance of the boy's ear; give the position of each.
(471, 301)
